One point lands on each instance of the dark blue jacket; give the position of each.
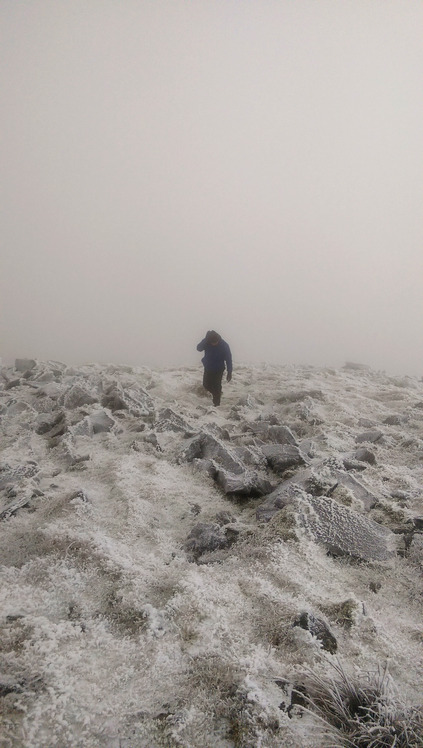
(215, 356)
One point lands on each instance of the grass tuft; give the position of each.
(367, 714)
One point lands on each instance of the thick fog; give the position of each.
(254, 167)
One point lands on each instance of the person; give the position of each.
(216, 354)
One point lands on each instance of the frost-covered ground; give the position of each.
(118, 630)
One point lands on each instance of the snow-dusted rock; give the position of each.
(25, 364)
(101, 422)
(243, 484)
(373, 436)
(318, 628)
(304, 481)
(365, 455)
(282, 457)
(343, 531)
(168, 420)
(206, 446)
(77, 396)
(206, 537)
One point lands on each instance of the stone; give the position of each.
(304, 481)
(15, 407)
(281, 435)
(368, 498)
(245, 484)
(25, 364)
(343, 531)
(282, 457)
(113, 399)
(206, 537)
(192, 450)
(372, 436)
(12, 476)
(298, 396)
(16, 504)
(46, 421)
(365, 455)
(51, 390)
(84, 427)
(350, 464)
(170, 421)
(101, 422)
(318, 628)
(76, 397)
(205, 446)
(224, 518)
(59, 425)
(11, 383)
(393, 420)
(356, 367)
(137, 402)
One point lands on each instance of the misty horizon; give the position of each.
(170, 168)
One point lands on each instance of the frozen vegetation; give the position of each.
(178, 575)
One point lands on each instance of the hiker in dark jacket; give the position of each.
(216, 354)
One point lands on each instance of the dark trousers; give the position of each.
(212, 382)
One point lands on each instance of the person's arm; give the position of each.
(228, 360)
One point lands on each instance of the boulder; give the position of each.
(170, 421)
(282, 457)
(374, 435)
(76, 397)
(393, 420)
(206, 537)
(307, 480)
(350, 464)
(365, 455)
(357, 488)
(101, 422)
(245, 484)
(356, 367)
(11, 383)
(25, 364)
(113, 399)
(343, 531)
(205, 446)
(137, 402)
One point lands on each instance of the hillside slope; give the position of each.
(153, 595)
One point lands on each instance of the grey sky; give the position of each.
(171, 166)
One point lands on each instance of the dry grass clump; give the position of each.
(366, 714)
